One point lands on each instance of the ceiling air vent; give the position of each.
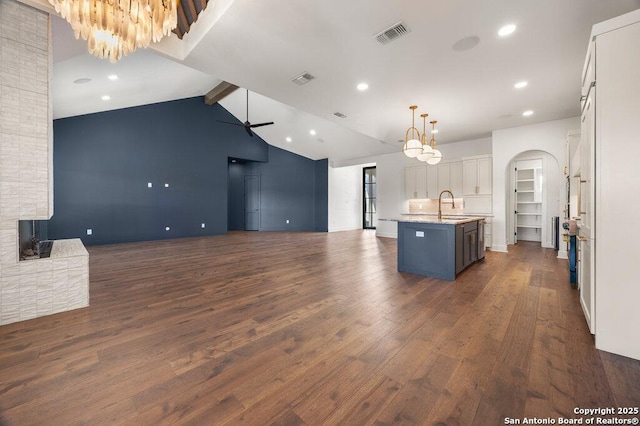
(303, 78)
(339, 114)
(392, 33)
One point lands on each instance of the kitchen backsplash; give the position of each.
(430, 206)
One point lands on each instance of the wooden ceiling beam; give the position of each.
(192, 10)
(219, 92)
(183, 23)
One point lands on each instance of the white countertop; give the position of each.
(449, 220)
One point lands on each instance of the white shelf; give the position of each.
(529, 202)
(526, 180)
(530, 226)
(529, 214)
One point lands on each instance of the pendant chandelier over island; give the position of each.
(418, 147)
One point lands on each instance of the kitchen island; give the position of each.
(440, 248)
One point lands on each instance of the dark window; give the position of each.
(370, 215)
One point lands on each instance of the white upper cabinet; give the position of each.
(444, 181)
(450, 177)
(456, 178)
(415, 180)
(432, 182)
(428, 181)
(477, 176)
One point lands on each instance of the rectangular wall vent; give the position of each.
(392, 33)
(303, 78)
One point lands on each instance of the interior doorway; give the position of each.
(536, 189)
(369, 191)
(528, 209)
(252, 203)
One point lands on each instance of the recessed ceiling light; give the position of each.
(506, 30)
(521, 85)
(527, 113)
(106, 98)
(113, 77)
(312, 132)
(288, 139)
(82, 80)
(362, 87)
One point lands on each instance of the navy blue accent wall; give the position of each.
(322, 196)
(292, 188)
(103, 161)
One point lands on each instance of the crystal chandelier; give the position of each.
(114, 28)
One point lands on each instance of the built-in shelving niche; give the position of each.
(528, 200)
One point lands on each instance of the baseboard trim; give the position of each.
(499, 248)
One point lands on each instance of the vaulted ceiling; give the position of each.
(451, 63)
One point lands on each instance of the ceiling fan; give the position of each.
(247, 124)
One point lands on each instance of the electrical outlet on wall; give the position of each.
(287, 220)
(202, 225)
(89, 231)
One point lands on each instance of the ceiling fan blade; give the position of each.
(261, 124)
(229, 122)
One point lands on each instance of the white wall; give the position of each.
(345, 198)
(508, 143)
(391, 202)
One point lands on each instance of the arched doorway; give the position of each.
(536, 189)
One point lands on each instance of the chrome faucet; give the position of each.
(453, 205)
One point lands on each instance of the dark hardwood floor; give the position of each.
(309, 328)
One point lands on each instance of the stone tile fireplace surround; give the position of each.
(32, 288)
